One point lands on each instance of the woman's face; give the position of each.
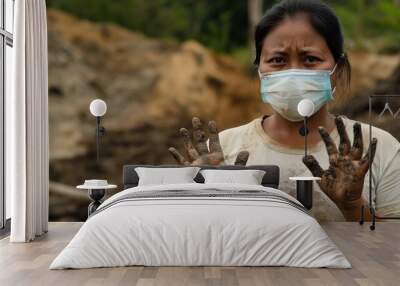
(295, 44)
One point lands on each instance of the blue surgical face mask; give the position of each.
(285, 89)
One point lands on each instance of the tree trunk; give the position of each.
(254, 13)
(254, 8)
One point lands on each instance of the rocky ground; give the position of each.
(153, 88)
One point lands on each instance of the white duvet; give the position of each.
(192, 231)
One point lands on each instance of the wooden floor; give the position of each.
(375, 257)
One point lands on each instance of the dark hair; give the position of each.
(323, 20)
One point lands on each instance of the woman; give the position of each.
(300, 54)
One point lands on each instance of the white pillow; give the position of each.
(248, 177)
(164, 176)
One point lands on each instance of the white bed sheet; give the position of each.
(200, 231)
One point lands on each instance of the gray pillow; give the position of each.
(247, 177)
(165, 176)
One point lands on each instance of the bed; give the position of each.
(201, 224)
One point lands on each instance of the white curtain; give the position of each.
(27, 147)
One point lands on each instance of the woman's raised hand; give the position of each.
(343, 181)
(197, 152)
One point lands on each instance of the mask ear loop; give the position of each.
(332, 72)
(259, 73)
(342, 56)
(334, 69)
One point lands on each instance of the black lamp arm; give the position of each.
(305, 135)
(100, 131)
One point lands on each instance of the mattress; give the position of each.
(201, 225)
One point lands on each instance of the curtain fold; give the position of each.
(27, 142)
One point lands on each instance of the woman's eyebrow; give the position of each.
(278, 51)
(310, 50)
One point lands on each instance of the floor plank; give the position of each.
(375, 257)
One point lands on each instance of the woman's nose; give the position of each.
(295, 64)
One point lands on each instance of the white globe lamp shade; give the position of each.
(306, 108)
(98, 107)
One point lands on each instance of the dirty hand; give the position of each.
(343, 181)
(197, 151)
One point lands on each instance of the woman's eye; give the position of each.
(311, 59)
(276, 60)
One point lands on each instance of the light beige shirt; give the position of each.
(264, 150)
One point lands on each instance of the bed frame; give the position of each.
(270, 179)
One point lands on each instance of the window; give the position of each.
(6, 65)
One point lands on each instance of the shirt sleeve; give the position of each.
(227, 141)
(387, 187)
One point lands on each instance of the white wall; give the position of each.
(9, 61)
(8, 85)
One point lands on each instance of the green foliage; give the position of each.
(223, 25)
(371, 24)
